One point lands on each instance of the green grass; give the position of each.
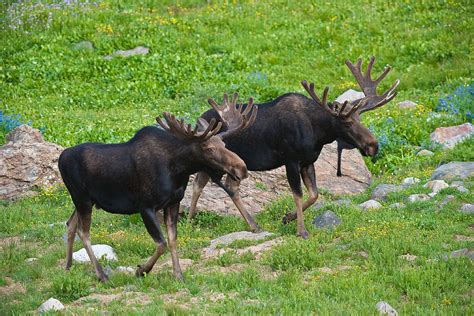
(260, 49)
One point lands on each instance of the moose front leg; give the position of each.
(293, 175)
(309, 179)
(171, 215)
(233, 186)
(153, 227)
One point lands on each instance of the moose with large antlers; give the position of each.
(148, 173)
(291, 131)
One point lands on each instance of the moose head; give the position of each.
(347, 122)
(208, 138)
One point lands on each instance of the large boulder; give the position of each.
(260, 188)
(27, 162)
(454, 170)
(450, 136)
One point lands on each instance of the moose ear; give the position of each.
(202, 124)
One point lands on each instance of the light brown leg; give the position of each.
(233, 186)
(71, 234)
(153, 227)
(293, 174)
(84, 225)
(309, 180)
(300, 228)
(198, 185)
(171, 215)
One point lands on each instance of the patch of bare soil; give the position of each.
(463, 238)
(7, 241)
(101, 299)
(238, 267)
(12, 287)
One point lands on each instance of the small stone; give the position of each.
(418, 197)
(29, 260)
(363, 254)
(410, 181)
(446, 200)
(327, 220)
(457, 183)
(453, 170)
(462, 189)
(409, 257)
(407, 104)
(99, 252)
(370, 204)
(350, 96)
(83, 45)
(397, 205)
(381, 192)
(467, 208)
(436, 185)
(214, 248)
(50, 305)
(139, 50)
(124, 269)
(425, 152)
(385, 309)
(450, 136)
(468, 253)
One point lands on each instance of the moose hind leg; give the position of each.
(199, 183)
(233, 186)
(309, 179)
(293, 175)
(84, 215)
(154, 229)
(171, 215)
(71, 234)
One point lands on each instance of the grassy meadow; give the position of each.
(201, 49)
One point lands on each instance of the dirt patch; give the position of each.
(463, 238)
(101, 299)
(7, 241)
(238, 267)
(12, 287)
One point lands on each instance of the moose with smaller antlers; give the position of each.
(291, 131)
(148, 173)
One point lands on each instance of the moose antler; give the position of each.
(235, 116)
(324, 102)
(369, 86)
(185, 131)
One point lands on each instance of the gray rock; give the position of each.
(384, 308)
(124, 269)
(407, 104)
(465, 252)
(29, 260)
(139, 50)
(381, 192)
(50, 305)
(327, 220)
(453, 170)
(436, 185)
(350, 95)
(467, 208)
(408, 257)
(108, 271)
(83, 45)
(418, 197)
(457, 183)
(99, 252)
(462, 189)
(26, 163)
(450, 136)
(410, 181)
(370, 204)
(425, 152)
(446, 200)
(216, 244)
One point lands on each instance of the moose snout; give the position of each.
(372, 149)
(239, 172)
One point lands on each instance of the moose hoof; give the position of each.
(339, 174)
(140, 272)
(304, 234)
(288, 218)
(103, 278)
(179, 276)
(256, 230)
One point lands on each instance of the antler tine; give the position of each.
(235, 116)
(185, 131)
(369, 68)
(324, 103)
(341, 110)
